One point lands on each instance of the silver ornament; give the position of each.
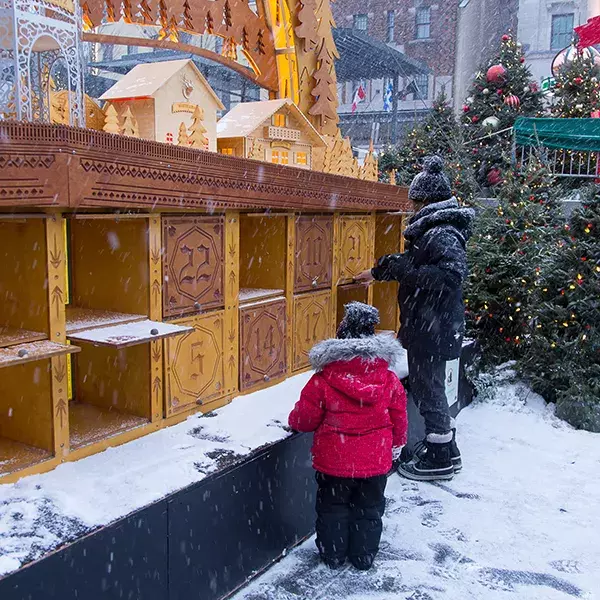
(486, 91)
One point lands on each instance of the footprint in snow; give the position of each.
(431, 515)
(566, 566)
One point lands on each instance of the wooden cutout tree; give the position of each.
(110, 11)
(229, 49)
(187, 16)
(260, 45)
(307, 30)
(323, 90)
(227, 15)
(129, 123)
(126, 11)
(145, 12)
(209, 25)
(111, 124)
(183, 138)
(163, 18)
(245, 40)
(197, 138)
(173, 30)
(257, 151)
(369, 171)
(393, 177)
(305, 98)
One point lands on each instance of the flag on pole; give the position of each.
(359, 96)
(388, 96)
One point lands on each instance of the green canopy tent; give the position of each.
(570, 147)
(566, 134)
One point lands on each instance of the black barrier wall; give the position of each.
(203, 542)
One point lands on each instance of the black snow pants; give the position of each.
(349, 512)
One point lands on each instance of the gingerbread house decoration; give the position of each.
(155, 99)
(274, 131)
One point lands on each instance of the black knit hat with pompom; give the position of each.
(359, 321)
(432, 185)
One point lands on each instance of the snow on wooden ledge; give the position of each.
(129, 334)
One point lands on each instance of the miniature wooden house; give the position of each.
(161, 97)
(274, 131)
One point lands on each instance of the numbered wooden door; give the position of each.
(314, 252)
(356, 247)
(192, 264)
(195, 364)
(263, 346)
(312, 324)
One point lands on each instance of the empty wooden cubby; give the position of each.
(32, 348)
(115, 286)
(389, 239)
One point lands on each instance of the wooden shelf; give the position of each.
(89, 424)
(81, 319)
(251, 295)
(128, 334)
(15, 456)
(10, 336)
(24, 353)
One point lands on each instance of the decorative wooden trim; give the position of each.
(371, 253)
(43, 467)
(57, 286)
(97, 169)
(156, 347)
(290, 272)
(232, 290)
(335, 276)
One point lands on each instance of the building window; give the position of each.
(227, 151)
(279, 120)
(280, 157)
(391, 22)
(422, 85)
(361, 22)
(301, 158)
(423, 30)
(562, 31)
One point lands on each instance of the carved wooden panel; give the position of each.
(312, 324)
(314, 253)
(195, 366)
(356, 241)
(192, 264)
(262, 347)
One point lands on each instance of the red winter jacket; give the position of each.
(355, 405)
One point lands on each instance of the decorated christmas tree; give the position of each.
(501, 92)
(577, 89)
(511, 243)
(439, 133)
(564, 361)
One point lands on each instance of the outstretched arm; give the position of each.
(309, 411)
(390, 267)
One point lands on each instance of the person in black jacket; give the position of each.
(431, 273)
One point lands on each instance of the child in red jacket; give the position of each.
(357, 408)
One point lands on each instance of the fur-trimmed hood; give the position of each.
(358, 367)
(441, 214)
(383, 346)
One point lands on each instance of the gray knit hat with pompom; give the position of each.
(432, 185)
(359, 321)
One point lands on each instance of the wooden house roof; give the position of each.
(245, 118)
(145, 79)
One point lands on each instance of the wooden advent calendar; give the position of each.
(142, 282)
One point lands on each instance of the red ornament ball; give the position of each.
(512, 101)
(466, 108)
(522, 59)
(505, 37)
(475, 119)
(494, 177)
(578, 80)
(496, 73)
(500, 92)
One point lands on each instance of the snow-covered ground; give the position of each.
(521, 522)
(41, 512)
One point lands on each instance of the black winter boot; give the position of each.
(362, 563)
(434, 464)
(421, 449)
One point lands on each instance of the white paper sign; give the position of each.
(452, 373)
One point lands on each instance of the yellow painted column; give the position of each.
(57, 291)
(156, 348)
(371, 251)
(232, 304)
